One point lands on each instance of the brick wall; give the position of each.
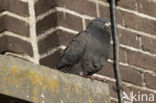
(39, 30)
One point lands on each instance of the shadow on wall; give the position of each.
(9, 99)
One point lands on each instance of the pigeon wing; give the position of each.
(74, 51)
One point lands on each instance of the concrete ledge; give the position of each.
(39, 84)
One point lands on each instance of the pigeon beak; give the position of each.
(108, 25)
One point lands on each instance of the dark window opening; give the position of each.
(9, 99)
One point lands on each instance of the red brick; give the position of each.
(87, 21)
(17, 26)
(80, 6)
(140, 23)
(128, 4)
(64, 37)
(147, 7)
(44, 5)
(69, 21)
(51, 60)
(130, 75)
(2, 24)
(16, 6)
(113, 89)
(18, 46)
(55, 39)
(127, 74)
(48, 43)
(150, 80)
(59, 19)
(142, 60)
(128, 38)
(104, 11)
(122, 56)
(46, 23)
(3, 44)
(120, 17)
(148, 44)
(1, 6)
(107, 70)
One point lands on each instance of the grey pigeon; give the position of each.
(88, 51)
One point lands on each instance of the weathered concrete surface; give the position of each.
(40, 84)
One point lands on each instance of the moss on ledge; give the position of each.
(39, 84)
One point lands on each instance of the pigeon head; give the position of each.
(100, 22)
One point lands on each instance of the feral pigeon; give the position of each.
(88, 51)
